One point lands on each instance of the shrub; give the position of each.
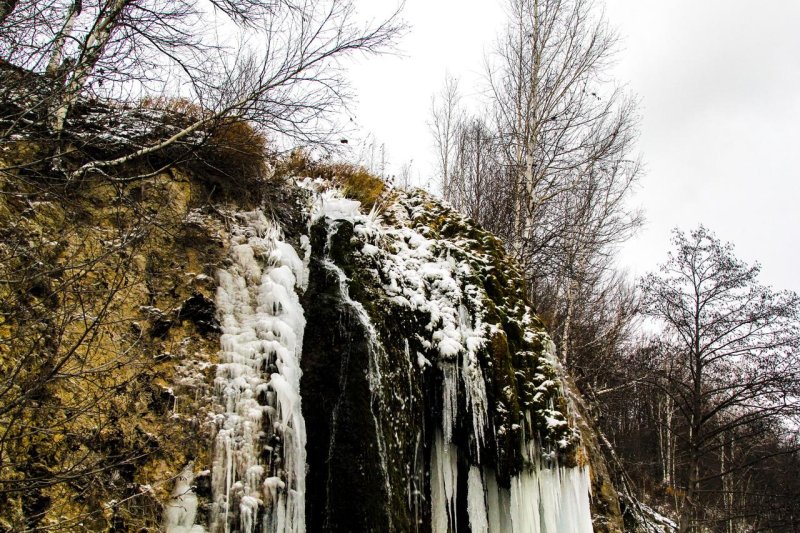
(233, 149)
(356, 181)
(231, 153)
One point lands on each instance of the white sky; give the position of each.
(719, 85)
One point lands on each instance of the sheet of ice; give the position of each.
(258, 473)
(549, 500)
(476, 502)
(444, 484)
(546, 500)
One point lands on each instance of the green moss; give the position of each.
(523, 389)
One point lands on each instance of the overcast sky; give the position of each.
(719, 86)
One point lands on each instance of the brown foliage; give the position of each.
(356, 181)
(231, 157)
(177, 106)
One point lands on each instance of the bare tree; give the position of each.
(735, 370)
(447, 119)
(561, 124)
(289, 81)
(405, 176)
(549, 168)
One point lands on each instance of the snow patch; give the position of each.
(181, 510)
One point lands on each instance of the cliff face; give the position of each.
(462, 405)
(286, 360)
(107, 294)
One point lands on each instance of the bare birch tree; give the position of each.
(562, 169)
(554, 154)
(447, 119)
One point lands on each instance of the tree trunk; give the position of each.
(60, 42)
(726, 489)
(91, 51)
(692, 489)
(666, 441)
(566, 331)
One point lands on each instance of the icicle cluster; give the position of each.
(546, 500)
(540, 500)
(258, 475)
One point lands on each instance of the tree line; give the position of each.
(693, 370)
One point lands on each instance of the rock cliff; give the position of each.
(315, 352)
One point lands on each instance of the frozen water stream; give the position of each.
(258, 474)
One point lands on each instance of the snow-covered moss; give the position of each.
(458, 356)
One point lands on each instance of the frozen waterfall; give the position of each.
(259, 456)
(418, 272)
(258, 475)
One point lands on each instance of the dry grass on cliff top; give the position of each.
(356, 181)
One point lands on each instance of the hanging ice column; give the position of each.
(258, 476)
(541, 499)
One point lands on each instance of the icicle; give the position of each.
(444, 484)
(498, 503)
(416, 492)
(258, 384)
(449, 399)
(575, 513)
(181, 510)
(549, 500)
(476, 502)
(525, 500)
(550, 497)
(472, 377)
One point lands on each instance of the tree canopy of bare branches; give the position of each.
(566, 134)
(732, 366)
(277, 64)
(550, 166)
